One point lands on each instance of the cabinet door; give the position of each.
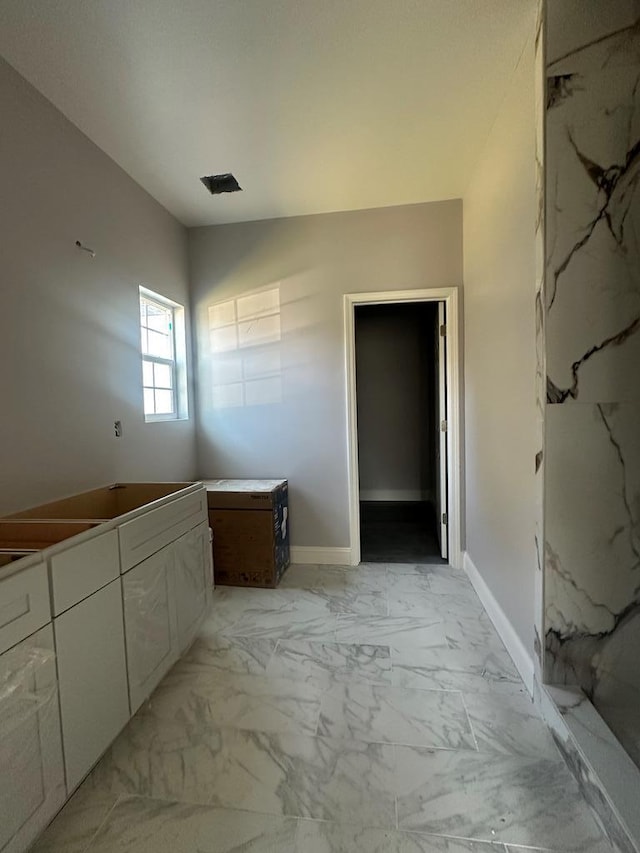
(32, 780)
(193, 580)
(150, 623)
(92, 671)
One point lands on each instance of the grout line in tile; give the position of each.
(497, 845)
(296, 835)
(378, 742)
(396, 780)
(102, 823)
(272, 655)
(473, 731)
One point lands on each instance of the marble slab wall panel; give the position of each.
(593, 168)
(540, 92)
(593, 540)
(591, 326)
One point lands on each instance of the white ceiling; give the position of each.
(314, 105)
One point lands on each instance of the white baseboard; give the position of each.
(508, 634)
(406, 495)
(320, 556)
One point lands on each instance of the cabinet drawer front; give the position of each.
(83, 569)
(24, 605)
(92, 669)
(143, 536)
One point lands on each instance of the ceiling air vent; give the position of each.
(221, 183)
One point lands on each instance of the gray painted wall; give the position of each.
(500, 415)
(69, 333)
(396, 401)
(268, 307)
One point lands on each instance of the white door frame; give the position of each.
(448, 295)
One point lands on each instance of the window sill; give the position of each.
(168, 420)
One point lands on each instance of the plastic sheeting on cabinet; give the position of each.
(150, 623)
(32, 781)
(20, 697)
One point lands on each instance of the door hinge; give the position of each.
(443, 426)
(443, 330)
(444, 518)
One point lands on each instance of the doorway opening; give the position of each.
(403, 397)
(402, 489)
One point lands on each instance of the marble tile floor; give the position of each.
(355, 710)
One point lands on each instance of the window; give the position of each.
(163, 357)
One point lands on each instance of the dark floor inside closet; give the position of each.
(398, 532)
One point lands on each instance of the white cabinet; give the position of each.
(128, 587)
(194, 578)
(32, 779)
(92, 672)
(150, 623)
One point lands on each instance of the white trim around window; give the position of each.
(163, 354)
